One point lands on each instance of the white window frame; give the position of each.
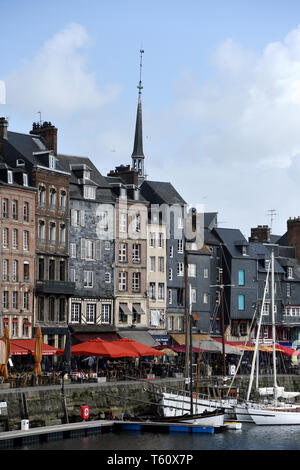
(88, 280)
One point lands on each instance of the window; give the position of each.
(51, 308)
(179, 269)
(25, 179)
(5, 270)
(180, 246)
(170, 322)
(103, 221)
(90, 249)
(62, 235)
(41, 232)
(288, 290)
(205, 298)
(171, 251)
(88, 278)
(51, 270)
(77, 218)
(14, 207)
(26, 271)
(152, 290)
(122, 281)
(123, 252)
(15, 270)
(152, 240)
(5, 238)
(25, 240)
(62, 200)
(192, 270)
(72, 275)
(26, 212)
(14, 299)
(152, 264)
(180, 297)
(245, 250)
(90, 313)
(136, 282)
(41, 269)
(89, 192)
(62, 270)
(9, 176)
(15, 239)
(241, 302)
(52, 200)
(266, 309)
(289, 272)
(107, 278)
(42, 196)
(62, 309)
(5, 211)
(75, 312)
(52, 162)
(160, 240)
(161, 264)
(105, 313)
(25, 300)
(243, 329)
(73, 250)
(161, 291)
(136, 253)
(241, 277)
(169, 296)
(52, 233)
(170, 274)
(137, 223)
(205, 273)
(5, 302)
(193, 295)
(40, 308)
(123, 222)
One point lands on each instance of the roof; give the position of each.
(31, 147)
(158, 192)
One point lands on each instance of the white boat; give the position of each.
(175, 405)
(289, 415)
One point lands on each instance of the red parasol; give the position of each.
(100, 347)
(139, 348)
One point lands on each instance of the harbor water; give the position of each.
(250, 437)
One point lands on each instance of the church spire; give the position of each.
(138, 154)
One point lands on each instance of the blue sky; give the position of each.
(221, 97)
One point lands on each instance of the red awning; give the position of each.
(26, 346)
(139, 348)
(99, 347)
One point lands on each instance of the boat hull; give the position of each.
(275, 417)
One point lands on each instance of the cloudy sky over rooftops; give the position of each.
(221, 96)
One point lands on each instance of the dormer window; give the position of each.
(9, 176)
(245, 250)
(20, 162)
(89, 192)
(52, 162)
(25, 179)
(289, 273)
(86, 174)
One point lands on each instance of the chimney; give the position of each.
(3, 132)
(48, 132)
(260, 234)
(293, 234)
(128, 175)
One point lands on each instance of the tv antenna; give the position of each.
(272, 214)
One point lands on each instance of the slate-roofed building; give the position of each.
(37, 153)
(91, 250)
(170, 206)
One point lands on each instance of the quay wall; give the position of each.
(57, 404)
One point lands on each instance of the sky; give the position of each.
(221, 93)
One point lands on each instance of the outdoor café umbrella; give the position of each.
(100, 347)
(38, 351)
(169, 352)
(139, 348)
(6, 351)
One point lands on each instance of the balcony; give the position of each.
(55, 287)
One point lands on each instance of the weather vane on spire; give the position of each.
(141, 65)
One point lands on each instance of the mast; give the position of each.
(273, 324)
(257, 337)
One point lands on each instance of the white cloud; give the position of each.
(57, 79)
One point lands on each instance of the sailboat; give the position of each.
(276, 413)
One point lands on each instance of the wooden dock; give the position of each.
(19, 438)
